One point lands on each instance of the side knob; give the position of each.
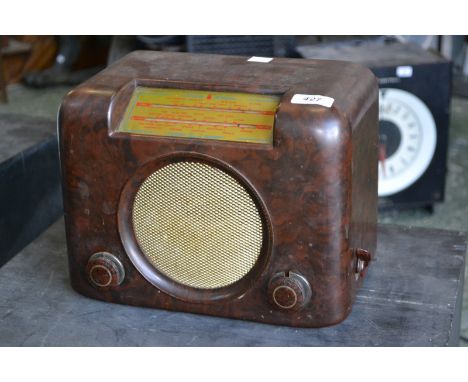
(362, 260)
(104, 270)
(289, 291)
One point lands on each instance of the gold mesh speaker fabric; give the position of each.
(197, 225)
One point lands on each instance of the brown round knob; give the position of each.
(289, 291)
(105, 270)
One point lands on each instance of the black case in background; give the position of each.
(431, 82)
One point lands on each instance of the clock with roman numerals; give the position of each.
(407, 140)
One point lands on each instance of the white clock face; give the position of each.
(407, 140)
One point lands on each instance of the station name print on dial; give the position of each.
(407, 140)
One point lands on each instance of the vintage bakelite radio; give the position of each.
(222, 185)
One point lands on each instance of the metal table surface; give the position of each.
(411, 297)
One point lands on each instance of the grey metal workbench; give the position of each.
(412, 297)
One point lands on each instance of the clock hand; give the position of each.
(383, 157)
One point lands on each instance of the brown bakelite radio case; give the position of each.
(222, 185)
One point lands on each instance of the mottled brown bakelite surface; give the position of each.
(317, 182)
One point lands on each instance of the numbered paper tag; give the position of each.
(309, 99)
(265, 60)
(404, 71)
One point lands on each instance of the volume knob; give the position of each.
(289, 291)
(104, 270)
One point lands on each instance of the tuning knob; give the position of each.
(105, 270)
(289, 291)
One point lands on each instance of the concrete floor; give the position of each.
(452, 214)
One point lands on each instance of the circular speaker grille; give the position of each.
(197, 225)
